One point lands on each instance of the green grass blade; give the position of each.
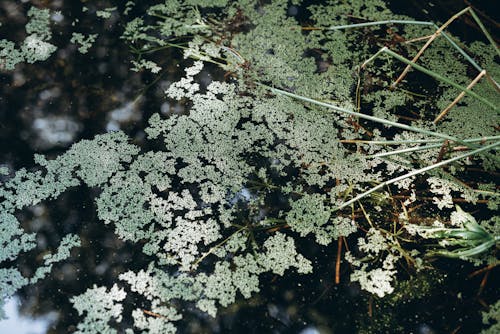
(438, 77)
(416, 172)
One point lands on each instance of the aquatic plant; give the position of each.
(35, 47)
(492, 318)
(291, 116)
(466, 234)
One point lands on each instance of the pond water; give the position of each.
(47, 106)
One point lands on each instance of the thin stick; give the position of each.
(455, 200)
(405, 150)
(366, 215)
(337, 264)
(459, 97)
(482, 270)
(369, 60)
(408, 150)
(461, 51)
(153, 314)
(389, 142)
(493, 82)
(483, 303)
(375, 23)
(211, 250)
(415, 172)
(493, 22)
(483, 282)
(364, 116)
(485, 32)
(417, 39)
(470, 60)
(429, 41)
(448, 38)
(434, 75)
(412, 141)
(442, 33)
(442, 151)
(426, 147)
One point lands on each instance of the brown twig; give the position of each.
(370, 307)
(483, 303)
(483, 282)
(493, 22)
(487, 268)
(442, 150)
(455, 200)
(426, 45)
(493, 82)
(459, 97)
(337, 264)
(418, 39)
(275, 229)
(153, 314)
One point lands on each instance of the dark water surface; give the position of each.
(47, 106)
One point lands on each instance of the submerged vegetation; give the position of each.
(303, 135)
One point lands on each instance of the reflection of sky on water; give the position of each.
(64, 100)
(19, 324)
(54, 131)
(310, 330)
(128, 112)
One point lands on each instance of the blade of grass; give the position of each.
(416, 172)
(459, 97)
(426, 45)
(434, 75)
(433, 36)
(412, 141)
(364, 116)
(467, 252)
(485, 32)
(425, 147)
(374, 23)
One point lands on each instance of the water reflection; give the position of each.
(310, 330)
(20, 324)
(127, 113)
(54, 131)
(54, 111)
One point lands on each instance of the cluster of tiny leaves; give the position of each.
(377, 249)
(35, 47)
(492, 318)
(185, 202)
(99, 307)
(84, 42)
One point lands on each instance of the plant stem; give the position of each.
(426, 45)
(364, 116)
(435, 75)
(459, 97)
(368, 24)
(425, 147)
(415, 172)
(485, 32)
(412, 141)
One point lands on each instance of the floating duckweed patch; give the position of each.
(317, 145)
